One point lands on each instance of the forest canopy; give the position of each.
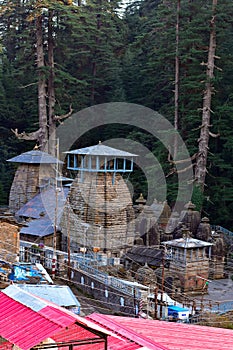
(153, 53)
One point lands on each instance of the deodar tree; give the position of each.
(203, 141)
(41, 16)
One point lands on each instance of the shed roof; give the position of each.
(38, 227)
(60, 295)
(114, 343)
(23, 326)
(28, 272)
(114, 324)
(26, 326)
(101, 150)
(169, 335)
(44, 203)
(142, 254)
(187, 242)
(42, 208)
(35, 157)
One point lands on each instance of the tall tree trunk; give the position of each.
(203, 146)
(51, 91)
(176, 112)
(42, 108)
(94, 65)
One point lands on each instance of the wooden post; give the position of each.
(156, 303)
(162, 284)
(68, 240)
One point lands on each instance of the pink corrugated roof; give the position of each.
(26, 326)
(23, 326)
(114, 343)
(173, 336)
(113, 324)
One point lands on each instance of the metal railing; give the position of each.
(29, 253)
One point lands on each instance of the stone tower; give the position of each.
(35, 171)
(189, 261)
(100, 211)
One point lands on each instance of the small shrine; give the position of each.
(189, 261)
(35, 171)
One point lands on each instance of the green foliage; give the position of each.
(103, 57)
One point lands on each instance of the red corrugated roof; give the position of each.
(113, 324)
(27, 326)
(173, 336)
(114, 343)
(23, 326)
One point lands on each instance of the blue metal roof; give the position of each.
(177, 308)
(38, 227)
(24, 298)
(60, 295)
(35, 157)
(43, 204)
(42, 208)
(101, 150)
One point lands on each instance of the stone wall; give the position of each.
(188, 274)
(28, 178)
(9, 241)
(108, 297)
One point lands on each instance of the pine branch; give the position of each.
(64, 116)
(27, 136)
(214, 135)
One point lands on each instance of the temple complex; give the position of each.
(94, 212)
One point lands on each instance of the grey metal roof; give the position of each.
(35, 157)
(101, 150)
(27, 294)
(60, 295)
(188, 242)
(143, 254)
(38, 227)
(41, 208)
(43, 204)
(24, 298)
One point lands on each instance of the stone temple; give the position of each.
(35, 171)
(99, 213)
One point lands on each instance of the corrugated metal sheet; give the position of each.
(173, 336)
(38, 227)
(114, 343)
(113, 324)
(142, 255)
(41, 208)
(101, 150)
(188, 242)
(60, 295)
(43, 204)
(22, 326)
(24, 298)
(35, 157)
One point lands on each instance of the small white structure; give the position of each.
(178, 313)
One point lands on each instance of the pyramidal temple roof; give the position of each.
(35, 157)
(101, 150)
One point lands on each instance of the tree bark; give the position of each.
(51, 91)
(42, 108)
(203, 142)
(176, 112)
